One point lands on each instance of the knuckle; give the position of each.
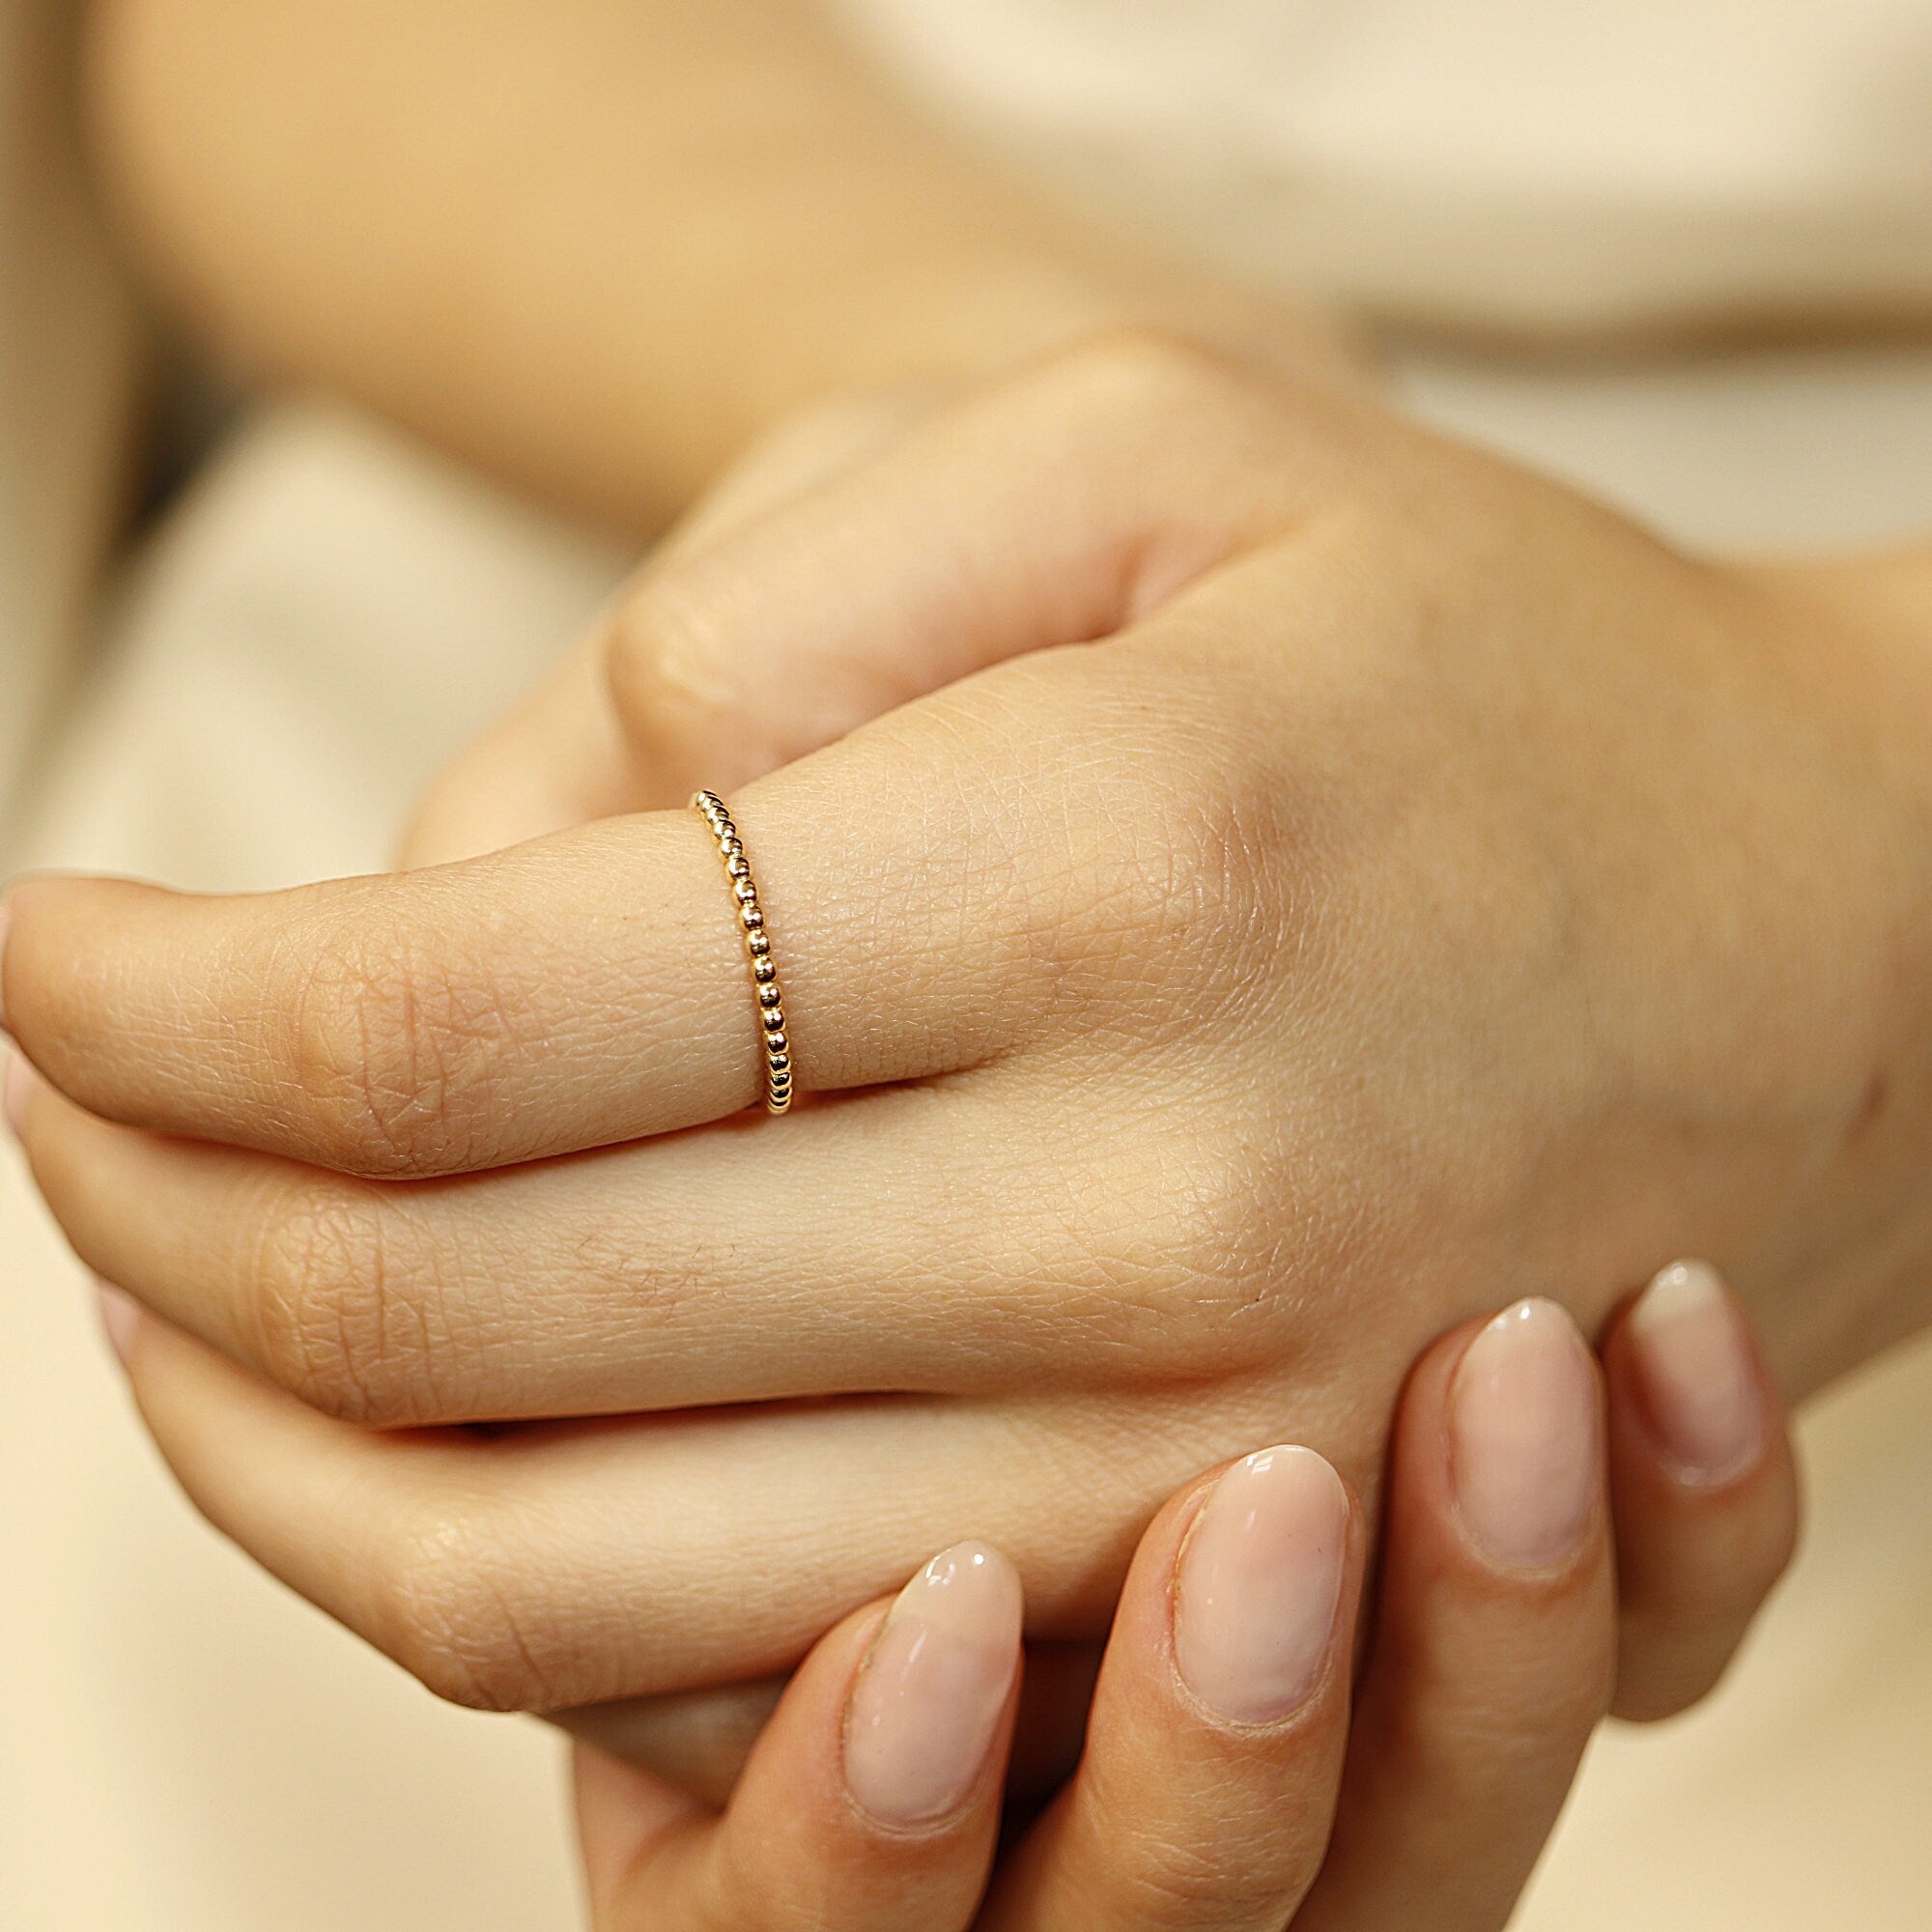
(1173, 871)
(1501, 1728)
(1560, 1693)
(1177, 1240)
(390, 1045)
(1142, 365)
(1176, 1888)
(1580, 1701)
(670, 651)
(345, 1307)
(451, 1610)
(1160, 1879)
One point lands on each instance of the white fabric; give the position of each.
(1508, 163)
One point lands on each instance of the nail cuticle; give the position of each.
(927, 1696)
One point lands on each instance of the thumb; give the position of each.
(561, 756)
(1053, 510)
(622, 1814)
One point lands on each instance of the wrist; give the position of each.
(1851, 639)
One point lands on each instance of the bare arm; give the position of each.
(593, 244)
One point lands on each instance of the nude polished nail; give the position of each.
(930, 1692)
(18, 1080)
(6, 919)
(1522, 1437)
(120, 1317)
(1695, 1375)
(1259, 1584)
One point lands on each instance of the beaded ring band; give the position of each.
(757, 949)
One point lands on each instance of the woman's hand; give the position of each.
(1429, 883)
(1696, 1559)
(1222, 1784)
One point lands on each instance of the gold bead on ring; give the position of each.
(775, 1045)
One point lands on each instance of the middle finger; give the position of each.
(886, 1245)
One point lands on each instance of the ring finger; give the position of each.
(1495, 1651)
(1205, 1795)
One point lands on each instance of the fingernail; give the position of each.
(1258, 1582)
(120, 1315)
(931, 1691)
(1695, 1375)
(20, 1081)
(1522, 1437)
(6, 920)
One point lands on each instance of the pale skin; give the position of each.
(1066, 1201)
(1352, 875)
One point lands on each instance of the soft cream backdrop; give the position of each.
(1503, 164)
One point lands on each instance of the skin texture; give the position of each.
(1413, 1790)
(784, 231)
(1418, 1794)
(1237, 1001)
(1697, 1558)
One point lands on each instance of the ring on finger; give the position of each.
(776, 1045)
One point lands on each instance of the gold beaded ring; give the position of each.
(757, 949)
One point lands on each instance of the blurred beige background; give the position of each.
(328, 609)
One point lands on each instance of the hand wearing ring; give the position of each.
(1215, 1004)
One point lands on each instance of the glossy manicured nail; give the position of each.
(933, 1687)
(20, 1081)
(1522, 1437)
(1696, 1373)
(1258, 1582)
(120, 1315)
(6, 919)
